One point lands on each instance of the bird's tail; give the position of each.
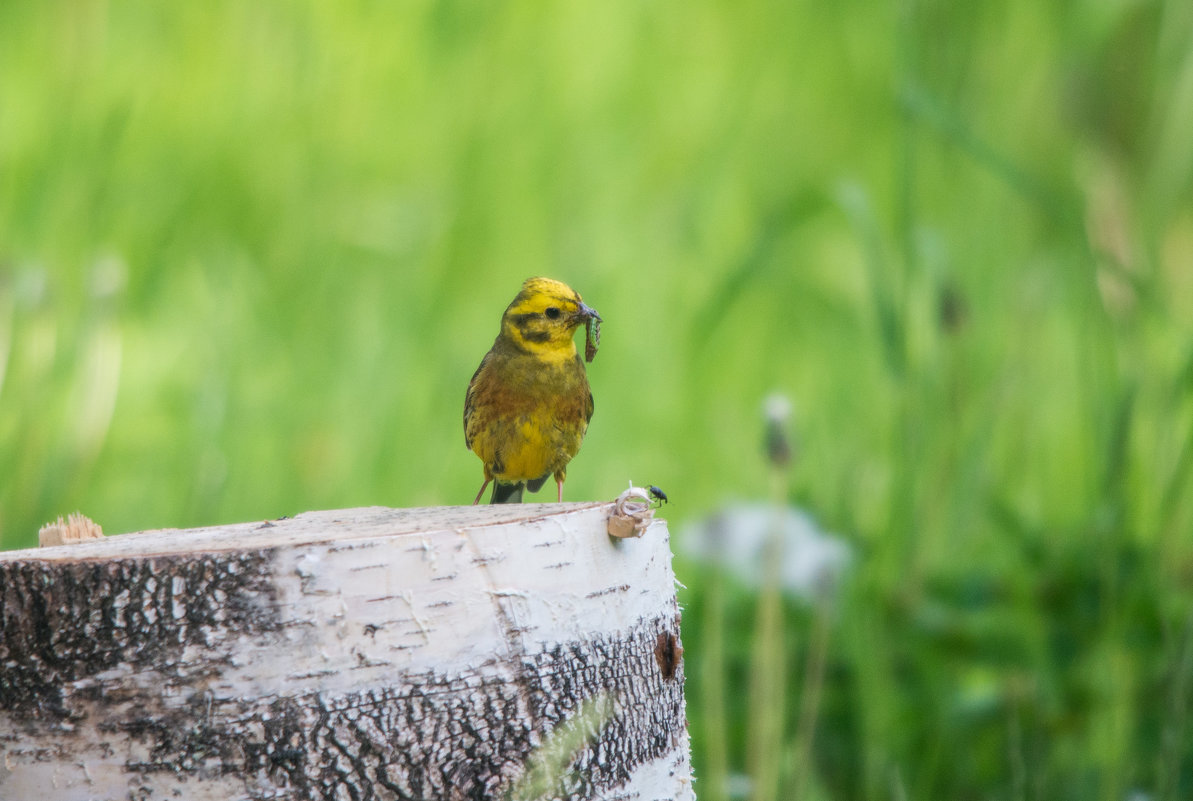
(507, 492)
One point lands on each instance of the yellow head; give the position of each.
(544, 316)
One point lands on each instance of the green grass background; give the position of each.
(251, 253)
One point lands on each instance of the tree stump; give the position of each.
(442, 653)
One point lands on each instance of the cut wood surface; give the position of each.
(440, 653)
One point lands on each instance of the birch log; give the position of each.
(439, 653)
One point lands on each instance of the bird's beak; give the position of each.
(586, 312)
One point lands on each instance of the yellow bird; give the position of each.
(528, 404)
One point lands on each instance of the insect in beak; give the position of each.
(592, 330)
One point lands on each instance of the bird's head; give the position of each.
(544, 316)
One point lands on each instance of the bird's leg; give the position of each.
(559, 483)
(482, 492)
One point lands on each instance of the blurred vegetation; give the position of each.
(251, 253)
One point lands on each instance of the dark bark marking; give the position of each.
(427, 735)
(60, 623)
(668, 653)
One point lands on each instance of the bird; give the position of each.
(528, 404)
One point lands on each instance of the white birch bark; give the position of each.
(358, 654)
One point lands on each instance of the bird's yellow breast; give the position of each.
(525, 417)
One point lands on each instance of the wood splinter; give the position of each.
(76, 528)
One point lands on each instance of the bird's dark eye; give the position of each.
(552, 313)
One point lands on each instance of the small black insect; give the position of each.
(658, 494)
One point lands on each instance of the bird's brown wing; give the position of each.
(470, 398)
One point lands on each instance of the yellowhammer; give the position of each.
(528, 404)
